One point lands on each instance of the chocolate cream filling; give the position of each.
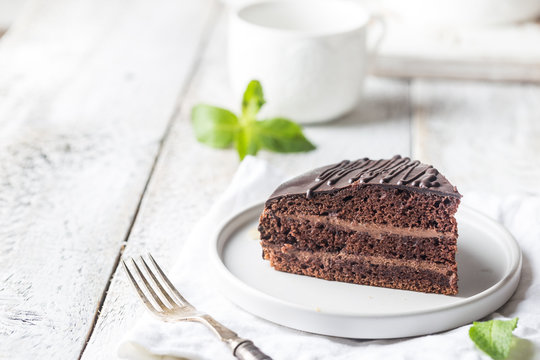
(304, 256)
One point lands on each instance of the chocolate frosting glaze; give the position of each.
(397, 172)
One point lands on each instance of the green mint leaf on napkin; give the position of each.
(494, 337)
(253, 100)
(214, 126)
(221, 128)
(281, 135)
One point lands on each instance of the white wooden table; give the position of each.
(98, 159)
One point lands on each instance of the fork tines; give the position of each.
(153, 287)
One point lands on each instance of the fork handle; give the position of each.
(246, 350)
(242, 349)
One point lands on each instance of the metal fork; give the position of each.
(167, 304)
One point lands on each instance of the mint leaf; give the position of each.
(493, 337)
(281, 135)
(221, 128)
(214, 126)
(246, 143)
(253, 100)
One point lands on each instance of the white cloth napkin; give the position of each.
(253, 182)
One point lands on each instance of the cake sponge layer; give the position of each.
(374, 271)
(375, 204)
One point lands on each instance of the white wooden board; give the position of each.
(87, 89)
(509, 53)
(460, 44)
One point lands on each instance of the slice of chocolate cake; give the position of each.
(384, 223)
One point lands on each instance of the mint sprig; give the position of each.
(494, 337)
(220, 128)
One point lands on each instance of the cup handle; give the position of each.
(376, 23)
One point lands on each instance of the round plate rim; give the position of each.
(219, 266)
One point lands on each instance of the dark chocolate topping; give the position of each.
(396, 172)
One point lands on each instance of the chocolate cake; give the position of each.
(383, 223)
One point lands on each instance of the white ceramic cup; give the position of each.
(309, 55)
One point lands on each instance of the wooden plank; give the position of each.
(87, 89)
(483, 136)
(421, 67)
(497, 53)
(189, 177)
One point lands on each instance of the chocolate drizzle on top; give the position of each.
(395, 172)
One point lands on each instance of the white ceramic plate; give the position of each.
(489, 267)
